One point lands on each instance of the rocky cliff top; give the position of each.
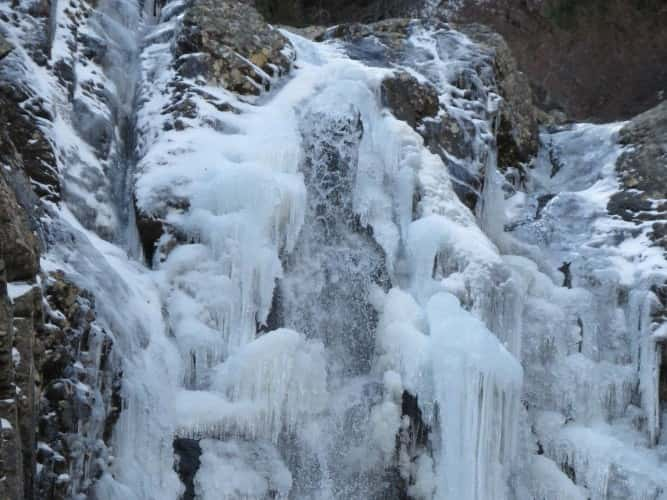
(581, 57)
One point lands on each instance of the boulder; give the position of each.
(642, 173)
(5, 47)
(409, 99)
(236, 48)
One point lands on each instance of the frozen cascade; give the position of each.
(592, 373)
(317, 269)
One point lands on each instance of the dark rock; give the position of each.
(37, 158)
(19, 248)
(243, 53)
(517, 135)
(409, 99)
(150, 229)
(194, 65)
(11, 459)
(5, 47)
(65, 73)
(79, 380)
(304, 12)
(93, 47)
(412, 441)
(641, 171)
(275, 318)
(187, 453)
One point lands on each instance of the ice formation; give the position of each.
(303, 291)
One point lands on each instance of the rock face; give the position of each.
(78, 393)
(517, 133)
(18, 314)
(230, 45)
(20, 128)
(447, 127)
(59, 380)
(18, 245)
(641, 171)
(409, 99)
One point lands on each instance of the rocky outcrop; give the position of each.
(641, 171)
(20, 315)
(224, 44)
(229, 44)
(451, 129)
(58, 376)
(59, 380)
(78, 393)
(409, 99)
(18, 112)
(18, 245)
(517, 133)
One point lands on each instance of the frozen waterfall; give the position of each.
(323, 317)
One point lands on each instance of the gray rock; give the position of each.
(19, 247)
(517, 138)
(5, 47)
(19, 113)
(409, 99)
(642, 173)
(244, 53)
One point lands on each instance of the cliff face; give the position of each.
(59, 377)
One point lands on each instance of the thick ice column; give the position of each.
(468, 386)
(647, 361)
(477, 385)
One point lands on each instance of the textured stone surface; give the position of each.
(18, 245)
(45, 366)
(20, 135)
(517, 129)
(78, 392)
(5, 47)
(642, 173)
(19, 260)
(229, 44)
(409, 99)
(11, 460)
(385, 44)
